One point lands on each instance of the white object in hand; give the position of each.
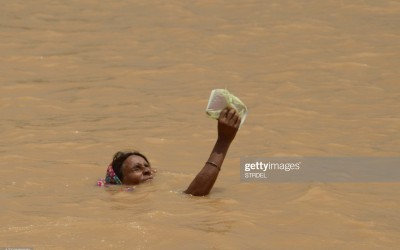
(222, 98)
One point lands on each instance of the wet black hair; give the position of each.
(118, 161)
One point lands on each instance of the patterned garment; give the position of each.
(111, 178)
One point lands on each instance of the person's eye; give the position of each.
(136, 168)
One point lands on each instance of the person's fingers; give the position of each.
(238, 121)
(231, 113)
(235, 118)
(223, 113)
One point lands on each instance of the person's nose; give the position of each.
(147, 171)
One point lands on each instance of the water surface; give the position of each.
(81, 80)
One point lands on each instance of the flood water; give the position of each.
(83, 79)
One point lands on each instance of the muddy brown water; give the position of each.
(81, 80)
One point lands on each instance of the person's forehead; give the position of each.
(135, 159)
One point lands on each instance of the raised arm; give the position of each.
(228, 124)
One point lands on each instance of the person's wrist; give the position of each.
(224, 141)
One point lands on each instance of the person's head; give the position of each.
(132, 168)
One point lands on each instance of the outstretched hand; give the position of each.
(228, 125)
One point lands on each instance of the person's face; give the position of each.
(136, 170)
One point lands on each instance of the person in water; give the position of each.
(133, 168)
